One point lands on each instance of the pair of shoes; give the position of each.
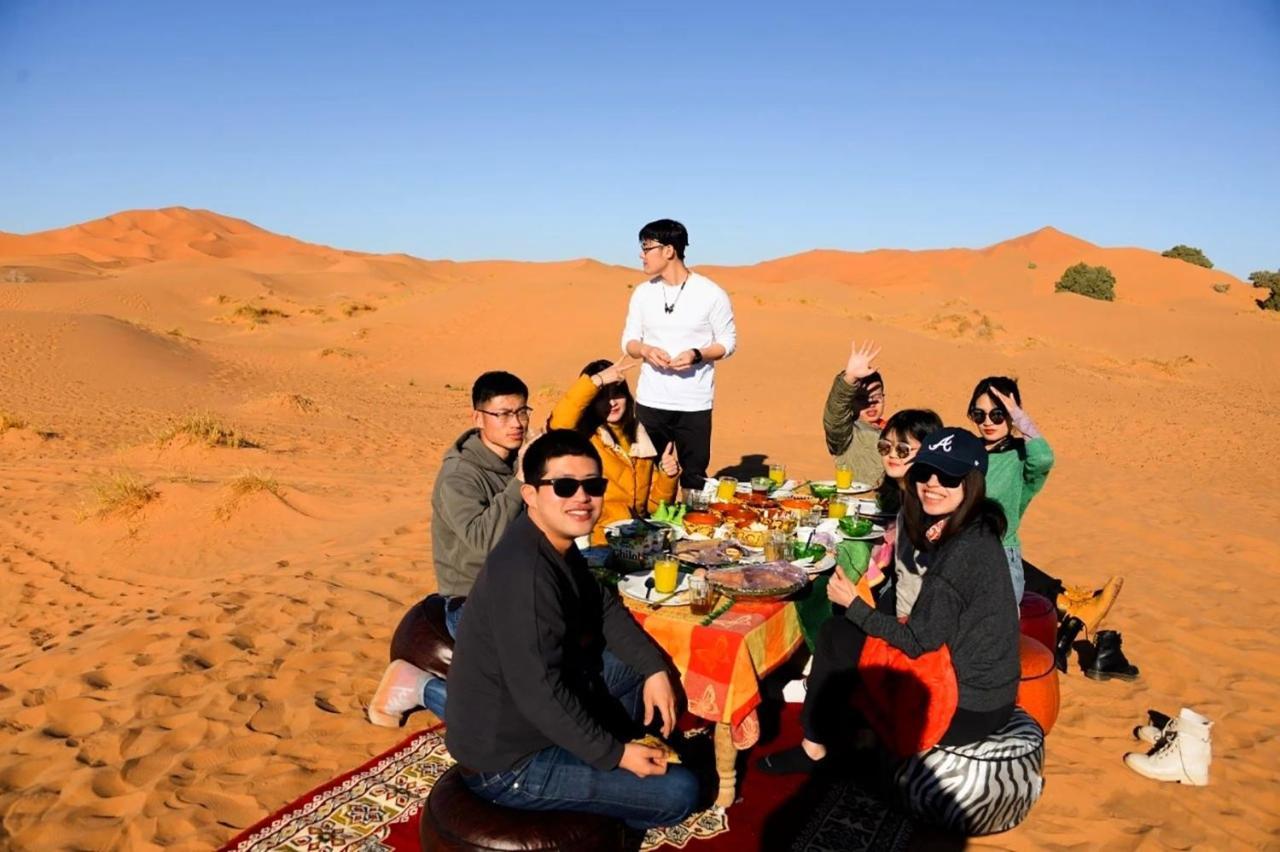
(1067, 633)
(399, 691)
(1109, 660)
(1090, 605)
(1182, 751)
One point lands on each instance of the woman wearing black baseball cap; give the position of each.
(951, 536)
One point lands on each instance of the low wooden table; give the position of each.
(721, 665)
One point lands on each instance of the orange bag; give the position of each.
(909, 703)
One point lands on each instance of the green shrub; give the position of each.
(1096, 282)
(1190, 254)
(1269, 281)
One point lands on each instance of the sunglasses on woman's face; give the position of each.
(979, 415)
(901, 449)
(566, 486)
(924, 474)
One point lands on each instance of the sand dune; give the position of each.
(184, 654)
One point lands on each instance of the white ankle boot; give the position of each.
(1181, 754)
(1158, 728)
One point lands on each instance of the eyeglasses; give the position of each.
(521, 414)
(566, 486)
(978, 415)
(901, 449)
(647, 249)
(921, 475)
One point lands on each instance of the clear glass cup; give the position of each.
(844, 475)
(837, 507)
(700, 594)
(726, 489)
(666, 574)
(777, 547)
(761, 484)
(778, 473)
(696, 500)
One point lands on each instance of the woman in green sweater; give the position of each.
(1019, 461)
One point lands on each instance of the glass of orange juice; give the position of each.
(778, 473)
(844, 475)
(837, 507)
(666, 574)
(726, 489)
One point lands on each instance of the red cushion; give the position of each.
(908, 702)
(1039, 619)
(1038, 692)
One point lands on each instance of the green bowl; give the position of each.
(822, 492)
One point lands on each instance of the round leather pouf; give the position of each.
(1038, 692)
(455, 819)
(1039, 619)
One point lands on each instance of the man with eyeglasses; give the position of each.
(552, 679)
(854, 415)
(680, 323)
(476, 496)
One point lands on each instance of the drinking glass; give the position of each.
(778, 473)
(726, 489)
(776, 547)
(666, 574)
(837, 507)
(700, 594)
(844, 475)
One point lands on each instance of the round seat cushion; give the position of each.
(1039, 619)
(455, 819)
(422, 637)
(980, 788)
(1038, 692)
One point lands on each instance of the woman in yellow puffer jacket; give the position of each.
(601, 406)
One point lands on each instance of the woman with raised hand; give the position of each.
(1019, 463)
(854, 414)
(600, 406)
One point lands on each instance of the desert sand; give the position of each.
(191, 632)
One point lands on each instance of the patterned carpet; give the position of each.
(375, 808)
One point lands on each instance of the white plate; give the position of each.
(812, 568)
(832, 525)
(855, 488)
(633, 586)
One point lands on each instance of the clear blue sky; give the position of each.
(554, 130)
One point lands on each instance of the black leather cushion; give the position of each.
(456, 819)
(422, 638)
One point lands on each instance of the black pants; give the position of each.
(827, 715)
(1041, 583)
(690, 431)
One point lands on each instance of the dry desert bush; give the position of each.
(352, 308)
(257, 314)
(248, 483)
(203, 428)
(11, 421)
(120, 494)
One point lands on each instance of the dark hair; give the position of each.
(1004, 384)
(553, 445)
(974, 510)
(496, 383)
(909, 422)
(667, 232)
(863, 393)
(591, 420)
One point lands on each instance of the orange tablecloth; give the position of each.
(721, 664)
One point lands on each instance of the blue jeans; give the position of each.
(435, 692)
(1014, 555)
(555, 780)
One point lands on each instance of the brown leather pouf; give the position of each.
(456, 819)
(423, 639)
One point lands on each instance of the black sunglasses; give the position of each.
(920, 474)
(566, 486)
(901, 449)
(977, 415)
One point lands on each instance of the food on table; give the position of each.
(669, 514)
(855, 527)
(701, 523)
(758, 500)
(797, 505)
(710, 553)
(770, 579)
(752, 535)
(654, 741)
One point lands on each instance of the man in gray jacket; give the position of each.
(476, 496)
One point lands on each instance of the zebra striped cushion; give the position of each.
(981, 788)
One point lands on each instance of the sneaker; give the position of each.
(1090, 605)
(1182, 755)
(399, 691)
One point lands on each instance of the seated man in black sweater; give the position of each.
(550, 672)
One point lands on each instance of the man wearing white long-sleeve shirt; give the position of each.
(680, 323)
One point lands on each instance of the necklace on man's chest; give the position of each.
(666, 309)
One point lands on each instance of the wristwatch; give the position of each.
(697, 356)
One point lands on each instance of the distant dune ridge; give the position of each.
(193, 626)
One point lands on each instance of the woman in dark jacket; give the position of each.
(965, 602)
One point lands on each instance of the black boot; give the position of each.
(1067, 633)
(1110, 661)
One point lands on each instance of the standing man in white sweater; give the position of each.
(680, 323)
